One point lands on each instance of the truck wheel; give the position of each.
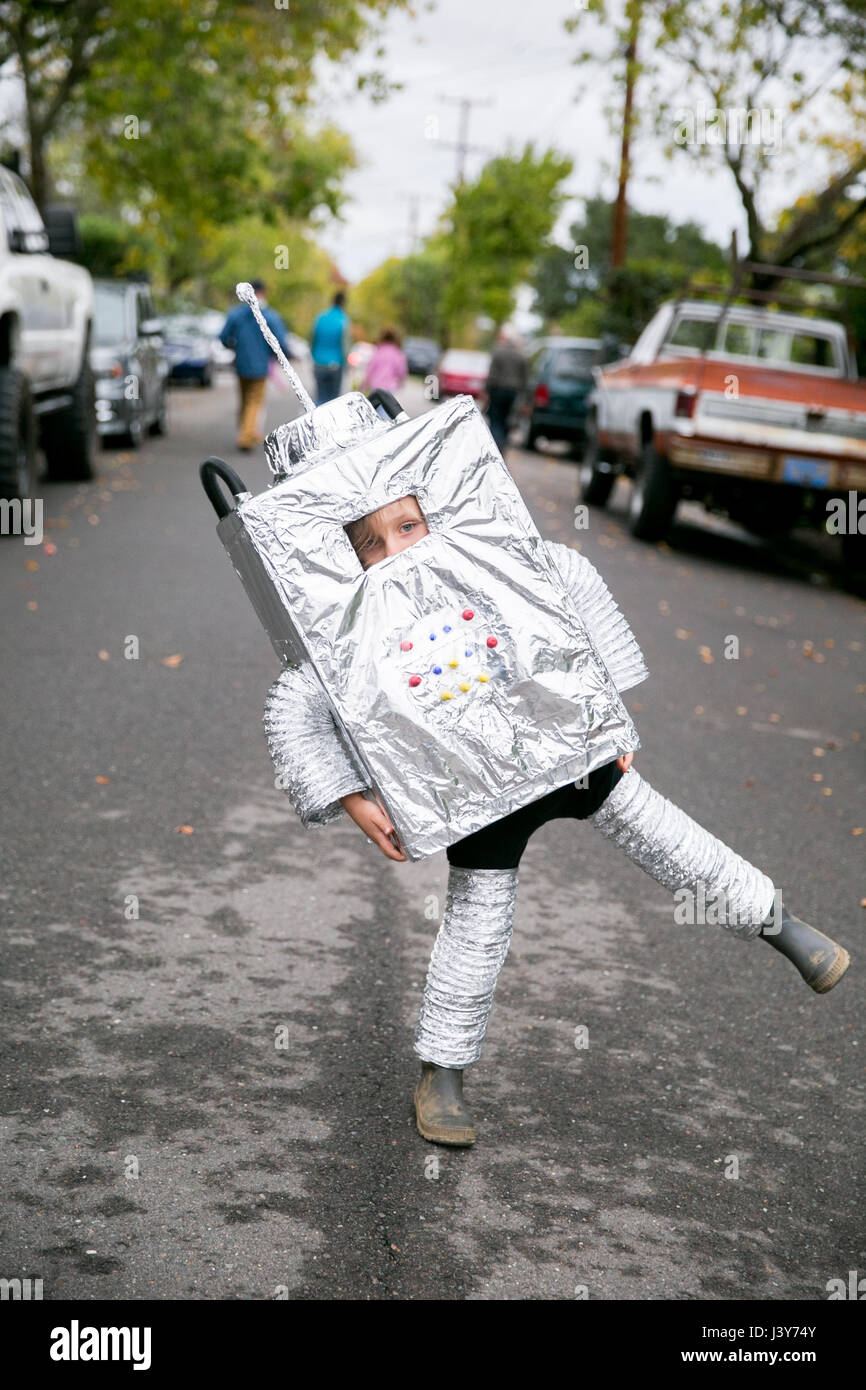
(17, 436)
(854, 556)
(595, 483)
(69, 435)
(654, 496)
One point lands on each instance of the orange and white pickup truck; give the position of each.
(756, 414)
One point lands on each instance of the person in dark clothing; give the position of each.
(507, 377)
(252, 358)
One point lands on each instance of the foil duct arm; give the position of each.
(313, 765)
(607, 626)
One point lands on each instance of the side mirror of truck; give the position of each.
(61, 224)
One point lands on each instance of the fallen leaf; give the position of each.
(32, 565)
(32, 605)
(748, 782)
(104, 655)
(683, 633)
(172, 660)
(184, 829)
(103, 780)
(93, 519)
(50, 548)
(858, 830)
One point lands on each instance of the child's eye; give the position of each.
(410, 524)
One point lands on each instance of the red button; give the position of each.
(414, 680)
(406, 645)
(491, 641)
(468, 613)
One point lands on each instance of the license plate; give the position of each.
(806, 471)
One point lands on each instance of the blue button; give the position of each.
(447, 627)
(432, 636)
(468, 651)
(437, 670)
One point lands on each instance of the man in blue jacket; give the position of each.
(330, 348)
(242, 334)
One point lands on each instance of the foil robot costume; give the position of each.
(364, 704)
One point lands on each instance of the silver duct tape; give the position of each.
(314, 768)
(679, 853)
(460, 670)
(468, 954)
(330, 428)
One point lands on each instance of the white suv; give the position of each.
(46, 308)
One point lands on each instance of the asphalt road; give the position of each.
(156, 1143)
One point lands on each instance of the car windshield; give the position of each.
(765, 342)
(574, 363)
(109, 315)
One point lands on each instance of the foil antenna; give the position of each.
(245, 292)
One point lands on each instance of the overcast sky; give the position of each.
(516, 55)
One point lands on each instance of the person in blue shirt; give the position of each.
(330, 348)
(242, 334)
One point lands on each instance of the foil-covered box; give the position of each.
(458, 671)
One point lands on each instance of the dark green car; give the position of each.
(560, 380)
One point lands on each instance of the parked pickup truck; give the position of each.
(46, 308)
(754, 413)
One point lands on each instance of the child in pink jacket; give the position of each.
(387, 368)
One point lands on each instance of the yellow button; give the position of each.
(452, 663)
(483, 678)
(446, 695)
(464, 685)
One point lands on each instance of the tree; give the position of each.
(89, 59)
(591, 297)
(736, 84)
(403, 293)
(494, 230)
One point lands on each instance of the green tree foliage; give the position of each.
(111, 248)
(494, 230)
(798, 65)
(406, 294)
(576, 290)
(187, 113)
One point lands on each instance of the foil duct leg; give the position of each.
(678, 853)
(468, 954)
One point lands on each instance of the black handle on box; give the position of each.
(389, 403)
(212, 472)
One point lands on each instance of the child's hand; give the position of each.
(374, 821)
(624, 762)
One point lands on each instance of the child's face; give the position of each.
(387, 531)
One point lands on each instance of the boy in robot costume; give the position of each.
(323, 782)
(325, 778)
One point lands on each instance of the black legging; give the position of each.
(500, 845)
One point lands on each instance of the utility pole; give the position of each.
(462, 145)
(619, 235)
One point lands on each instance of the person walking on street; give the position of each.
(252, 358)
(387, 368)
(508, 376)
(330, 348)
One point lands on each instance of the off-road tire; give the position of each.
(17, 436)
(69, 435)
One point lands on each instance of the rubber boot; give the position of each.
(819, 960)
(440, 1110)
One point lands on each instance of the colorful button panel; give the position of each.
(463, 662)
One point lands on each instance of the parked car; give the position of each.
(463, 373)
(128, 363)
(188, 350)
(211, 322)
(560, 382)
(754, 413)
(422, 355)
(46, 310)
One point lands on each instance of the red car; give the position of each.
(463, 373)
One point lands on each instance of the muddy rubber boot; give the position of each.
(440, 1110)
(819, 960)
